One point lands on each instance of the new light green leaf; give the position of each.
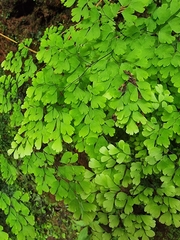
(121, 157)
(119, 46)
(4, 235)
(166, 218)
(174, 24)
(120, 174)
(174, 6)
(132, 127)
(25, 197)
(174, 203)
(67, 139)
(108, 205)
(162, 13)
(94, 14)
(3, 204)
(134, 95)
(103, 218)
(165, 36)
(68, 3)
(148, 220)
(128, 207)
(66, 157)
(138, 6)
(57, 145)
(124, 146)
(175, 80)
(141, 74)
(61, 193)
(138, 117)
(83, 234)
(76, 13)
(88, 217)
(104, 151)
(150, 233)
(84, 131)
(112, 149)
(54, 187)
(169, 189)
(28, 148)
(94, 32)
(120, 200)
(128, 15)
(176, 220)
(95, 163)
(126, 179)
(111, 10)
(113, 221)
(30, 219)
(106, 181)
(144, 106)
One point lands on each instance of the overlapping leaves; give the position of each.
(117, 68)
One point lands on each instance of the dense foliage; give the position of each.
(95, 119)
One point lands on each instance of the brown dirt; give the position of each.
(20, 19)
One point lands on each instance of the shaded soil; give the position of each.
(20, 19)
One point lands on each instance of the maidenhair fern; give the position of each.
(97, 117)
